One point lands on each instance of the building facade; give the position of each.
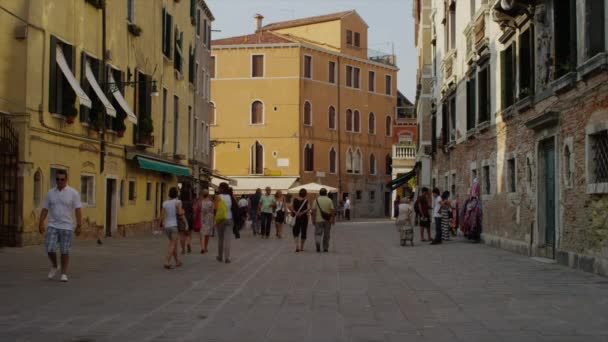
(302, 101)
(78, 93)
(521, 97)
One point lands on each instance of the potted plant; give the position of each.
(145, 129)
(118, 124)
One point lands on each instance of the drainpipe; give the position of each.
(104, 87)
(339, 123)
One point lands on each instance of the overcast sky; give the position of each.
(390, 24)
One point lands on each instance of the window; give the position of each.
(198, 22)
(445, 122)
(309, 157)
(332, 72)
(349, 161)
(356, 78)
(122, 193)
(357, 161)
(332, 117)
(148, 191)
(178, 54)
(388, 125)
(358, 195)
(209, 36)
(307, 66)
(599, 157)
(332, 160)
(452, 21)
(257, 66)
(131, 11)
(175, 124)
(212, 114)
(372, 195)
(132, 190)
(257, 159)
(371, 82)
(257, 113)
(595, 29)
(89, 115)
(512, 174)
(212, 66)
(526, 63)
(371, 123)
(192, 66)
(167, 24)
(388, 84)
(307, 114)
(565, 42)
(349, 120)
(388, 165)
(357, 39)
(507, 58)
(483, 95)
(357, 121)
(372, 164)
(452, 108)
(486, 180)
(62, 97)
(205, 32)
(349, 76)
(471, 103)
(349, 37)
(37, 188)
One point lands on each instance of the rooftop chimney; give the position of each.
(258, 21)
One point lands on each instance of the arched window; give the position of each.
(309, 157)
(349, 161)
(332, 117)
(357, 120)
(257, 113)
(389, 126)
(332, 160)
(357, 162)
(371, 123)
(37, 188)
(406, 137)
(372, 164)
(388, 164)
(307, 114)
(257, 159)
(212, 117)
(349, 120)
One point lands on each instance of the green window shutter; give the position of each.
(53, 76)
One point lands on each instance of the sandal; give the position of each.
(168, 267)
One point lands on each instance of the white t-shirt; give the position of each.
(243, 203)
(228, 201)
(61, 205)
(169, 206)
(437, 207)
(347, 204)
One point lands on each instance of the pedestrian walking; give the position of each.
(59, 205)
(405, 221)
(437, 216)
(243, 211)
(422, 209)
(206, 217)
(279, 213)
(323, 216)
(171, 209)
(266, 208)
(347, 208)
(445, 212)
(254, 211)
(186, 235)
(472, 219)
(224, 220)
(299, 210)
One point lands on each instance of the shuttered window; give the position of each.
(357, 121)
(371, 79)
(332, 72)
(357, 39)
(257, 113)
(332, 160)
(356, 78)
(388, 85)
(349, 37)
(349, 76)
(257, 66)
(309, 157)
(257, 159)
(307, 114)
(167, 30)
(308, 66)
(332, 117)
(371, 124)
(62, 98)
(349, 120)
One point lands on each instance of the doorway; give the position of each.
(547, 198)
(387, 204)
(111, 209)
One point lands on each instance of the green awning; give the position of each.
(162, 166)
(397, 182)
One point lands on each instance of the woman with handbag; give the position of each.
(279, 214)
(299, 213)
(172, 208)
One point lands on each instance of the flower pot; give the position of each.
(70, 119)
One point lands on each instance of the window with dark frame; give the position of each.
(507, 58)
(388, 165)
(388, 126)
(307, 114)
(357, 39)
(167, 24)
(599, 151)
(257, 66)
(332, 72)
(349, 120)
(567, 166)
(486, 180)
(349, 37)
(349, 76)
(371, 81)
(452, 19)
(483, 95)
(526, 63)
(204, 31)
(445, 122)
(307, 66)
(357, 121)
(148, 191)
(372, 164)
(332, 160)
(453, 116)
(332, 117)
(372, 195)
(62, 98)
(565, 36)
(511, 173)
(356, 78)
(371, 124)
(257, 159)
(388, 84)
(309, 157)
(471, 103)
(595, 29)
(257, 113)
(198, 22)
(178, 50)
(89, 115)
(132, 190)
(358, 195)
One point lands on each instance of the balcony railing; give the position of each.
(404, 152)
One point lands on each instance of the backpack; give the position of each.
(221, 213)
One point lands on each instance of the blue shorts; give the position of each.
(58, 237)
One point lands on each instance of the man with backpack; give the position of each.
(323, 216)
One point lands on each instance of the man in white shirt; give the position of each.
(347, 208)
(59, 204)
(437, 216)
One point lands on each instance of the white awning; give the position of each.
(121, 101)
(248, 185)
(102, 97)
(63, 65)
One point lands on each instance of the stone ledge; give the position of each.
(519, 247)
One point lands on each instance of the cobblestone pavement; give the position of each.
(367, 288)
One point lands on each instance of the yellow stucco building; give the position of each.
(306, 102)
(78, 94)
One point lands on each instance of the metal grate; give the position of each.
(600, 156)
